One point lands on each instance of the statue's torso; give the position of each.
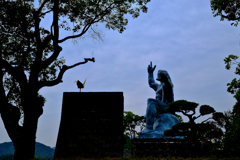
(159, 92)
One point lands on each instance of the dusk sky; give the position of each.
(181, 37)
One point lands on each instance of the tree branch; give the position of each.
(48, 61)
(206, 119)
(60, 75)
(37, 35)
(231, 18)
(3, 97)
(51, 29)
(39, 10)
(9, 92)
(55, 22)
(83, 31)
(53, 57)
(197, 116)
(16, 73)
(45, 13)
(35, 67)
(57, 48)
(28, 49)
(46, 41)
(107, 11)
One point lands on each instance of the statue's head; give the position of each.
(161, 76)
(164, 77)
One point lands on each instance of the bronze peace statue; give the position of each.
(157, 119)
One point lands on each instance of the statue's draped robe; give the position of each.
(156, 110)
(161, 97)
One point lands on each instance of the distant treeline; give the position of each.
(6, 157)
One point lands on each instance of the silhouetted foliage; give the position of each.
(190, 130)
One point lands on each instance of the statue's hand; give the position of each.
(150, 69)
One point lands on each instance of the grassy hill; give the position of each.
(41, 150)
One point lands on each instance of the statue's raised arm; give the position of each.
(151, 81)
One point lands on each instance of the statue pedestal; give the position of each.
(156, 135)
(161, 147)
(91, 125)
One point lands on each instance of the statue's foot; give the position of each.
(147, 130)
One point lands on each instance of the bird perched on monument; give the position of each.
(80, 85)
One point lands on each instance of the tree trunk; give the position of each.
(25, 146)
(23, 137)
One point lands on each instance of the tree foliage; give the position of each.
(230, 7)
(130, 122)
(17, 40)
(233, 130)
(232, 13)
(189, 129)
(87, 12)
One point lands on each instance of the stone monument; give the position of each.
(91, 125)
(157, 119)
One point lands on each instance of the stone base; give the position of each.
(156, 135)
(159, 147)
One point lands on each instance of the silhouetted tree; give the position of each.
(190, 130)
(232, 13)
(17, 18)
(232, 135)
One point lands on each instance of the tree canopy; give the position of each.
(19, 48)
(19, 44)
(230, 7)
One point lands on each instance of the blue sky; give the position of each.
(181, 37)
